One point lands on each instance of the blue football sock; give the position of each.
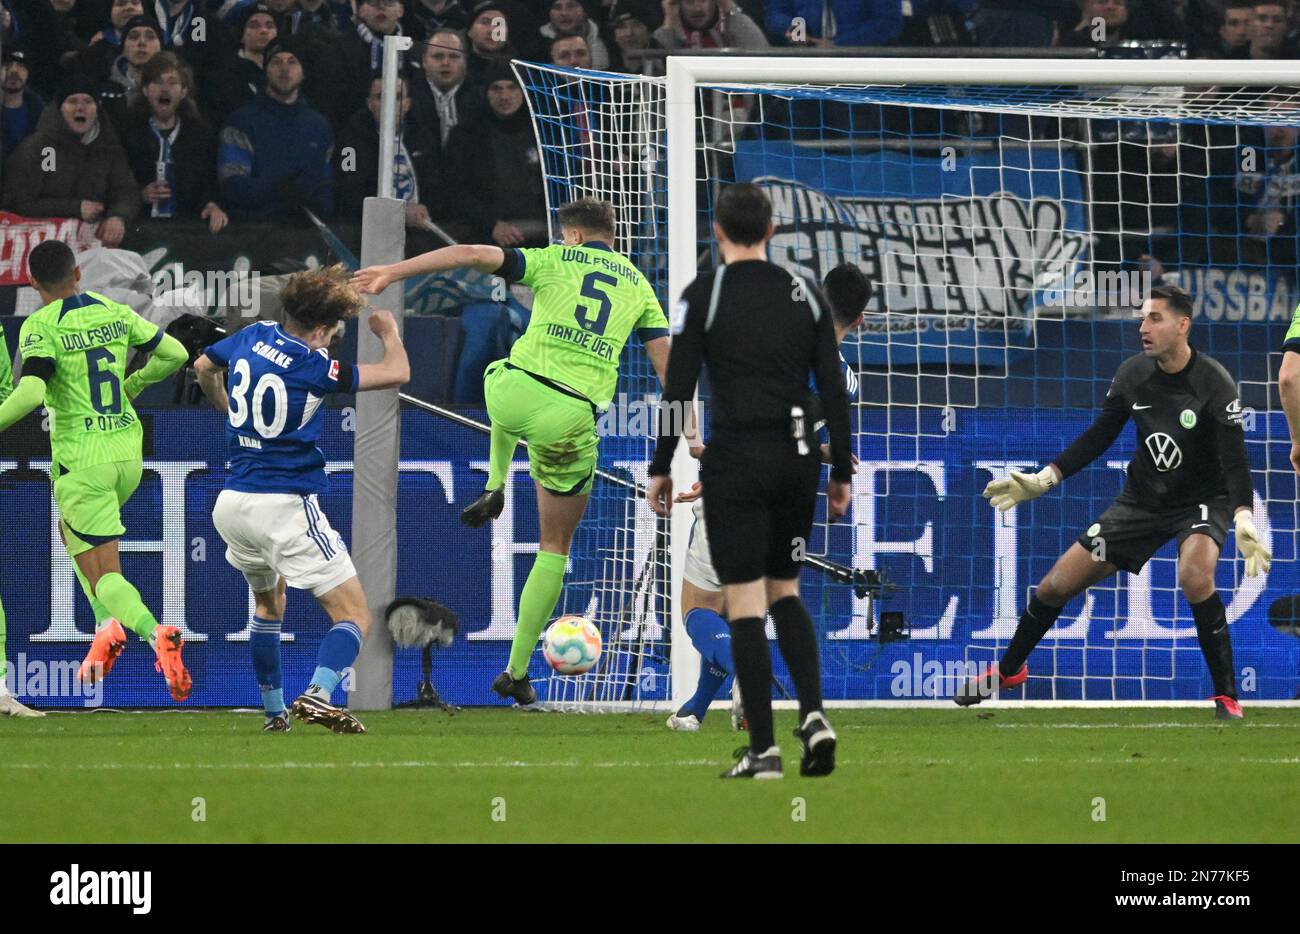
(264, 644)
(711, 678)
(338, 650)
(711, 637)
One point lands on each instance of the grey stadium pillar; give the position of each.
(377, 446)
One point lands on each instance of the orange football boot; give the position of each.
(108, 645)
(169, 662)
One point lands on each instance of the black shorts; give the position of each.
(1127, 534)
(758, 508)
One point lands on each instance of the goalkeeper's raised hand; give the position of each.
(1258, 558)
(1020, 487)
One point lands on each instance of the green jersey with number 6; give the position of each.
(87, 338)
(587, 301)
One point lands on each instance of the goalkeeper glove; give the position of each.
(1019, 487)
(1258, 558)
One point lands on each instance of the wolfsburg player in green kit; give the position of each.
(74, 350)
(9, 706)
(559, 375)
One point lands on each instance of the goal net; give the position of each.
(1011, 216)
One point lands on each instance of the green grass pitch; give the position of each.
(501, 775)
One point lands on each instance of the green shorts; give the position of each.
(560, 429)
(90, 502)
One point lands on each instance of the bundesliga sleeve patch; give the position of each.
(334, 371)
(678, 320)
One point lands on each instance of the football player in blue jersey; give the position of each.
(703, 607)
(276, 377)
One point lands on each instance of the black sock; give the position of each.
(754, 672)
(797, 640)
(1034, 623)
(1216, 644)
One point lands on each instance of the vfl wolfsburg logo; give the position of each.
(1164, 451)
(1187, 418)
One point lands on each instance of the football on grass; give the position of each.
(572, 645)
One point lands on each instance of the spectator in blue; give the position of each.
(573, 18)
(331, 15)
(414, 159)
(290, 21)
(1104, 22)
(425, 17)
(633, 23)
(171, 148)
(274, 156)
(502, 28)
(22, 106)
(1232, 38)
(241, 75)
(51, 41)
(106, 45)
(340, 82)
(199, 38)
(837, 22)
(499, 192)
(141, 41)
(441, 94)
(1268, 196)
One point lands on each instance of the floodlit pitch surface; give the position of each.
(1000, 774)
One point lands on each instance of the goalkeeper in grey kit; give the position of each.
(1189, 478)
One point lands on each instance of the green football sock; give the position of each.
(536, 604)
(96, 607)
(123, 601)
(502, 451)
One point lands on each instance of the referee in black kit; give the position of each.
(761, 332)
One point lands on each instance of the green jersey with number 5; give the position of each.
(87, 338)
(587, 301)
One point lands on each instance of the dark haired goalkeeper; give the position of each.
(1189, 478)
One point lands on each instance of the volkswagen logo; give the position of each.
(1164, 451)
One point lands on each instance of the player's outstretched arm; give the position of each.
(27, 395)
(213, 384)
(1100, 435)
(395, 369)
(374, 279)
(164, 360)
(1288, 384)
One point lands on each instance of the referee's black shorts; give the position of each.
(759, 497)
(1128, 533)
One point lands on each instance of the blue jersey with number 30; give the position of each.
(276, 384)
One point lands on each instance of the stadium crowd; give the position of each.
(121, 113)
